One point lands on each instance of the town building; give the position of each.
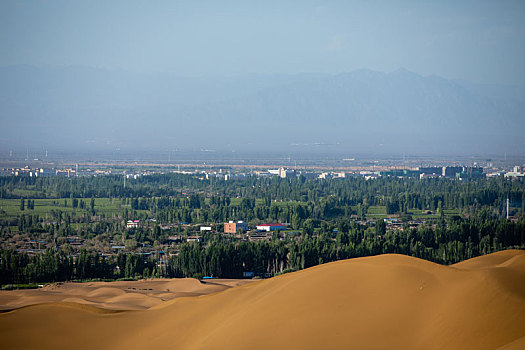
(132, 223)
(271, 227)
(516, 173)
(431, 170)
(233, 227)
(400, 173)
(428, 176)
(452, 171)
(286, 173)
(472, 173)
(234, 176)
(496, 174)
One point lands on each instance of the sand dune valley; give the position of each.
(380, 302)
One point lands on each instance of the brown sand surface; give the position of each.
(119, 295)
(381, 302)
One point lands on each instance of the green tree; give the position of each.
(380, 227)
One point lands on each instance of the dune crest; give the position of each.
(387, 301)
(106, 292)
(117, 295)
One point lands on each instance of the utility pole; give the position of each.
(507, 208)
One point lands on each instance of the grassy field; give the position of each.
(372, 210)
(27, 193)
(260, 201)
(10, 208)
(451, 212)
(376, 212)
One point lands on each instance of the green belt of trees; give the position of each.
(444, 243)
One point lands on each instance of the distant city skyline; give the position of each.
(478, 41)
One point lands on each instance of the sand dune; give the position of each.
(388, 301)
(120, 295)
(106, 292)
(490, 261)
(131, 300)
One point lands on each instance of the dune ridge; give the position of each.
(386, 301)
(119, 295)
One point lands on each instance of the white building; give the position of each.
(271, 227)
(132, 223)
(284, 173)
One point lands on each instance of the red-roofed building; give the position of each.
(133, 224)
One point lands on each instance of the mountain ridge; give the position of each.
(44, 106)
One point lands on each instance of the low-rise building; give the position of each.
(431, 170)
(286, 173)
(496, 174)
(271, 227)
(514, 174)
(428, 176)
(233, 227)
(452, 171)
(132, 223)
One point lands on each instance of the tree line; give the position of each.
(449, 241)
(161, 191)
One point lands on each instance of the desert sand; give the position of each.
(119, 295)
(381, 302)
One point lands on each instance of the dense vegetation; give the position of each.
(443, 220)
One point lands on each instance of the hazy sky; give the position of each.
(480, 41)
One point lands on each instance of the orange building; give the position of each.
(232, 227)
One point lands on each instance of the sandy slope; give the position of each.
(121, 295)
(388, 301)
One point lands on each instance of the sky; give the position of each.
(479, 41)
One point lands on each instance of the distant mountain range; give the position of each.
(92, 109)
